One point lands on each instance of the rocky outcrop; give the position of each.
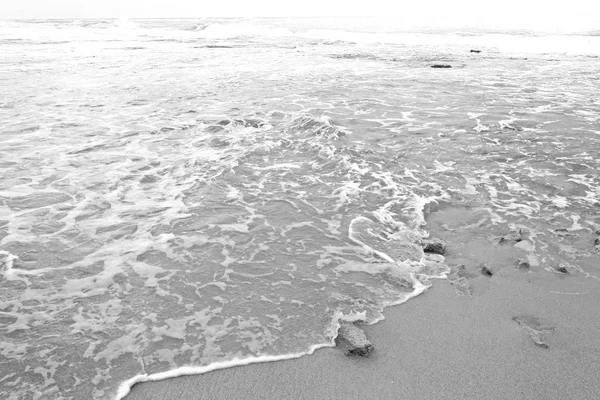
(353, 341)
(436, 246)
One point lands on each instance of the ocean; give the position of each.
(178, 196)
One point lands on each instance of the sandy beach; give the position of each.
(441, 345)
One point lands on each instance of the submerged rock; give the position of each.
(353, 340)
(486, 271)
(441, 66)
(436, 246)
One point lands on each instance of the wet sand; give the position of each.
(440, 345)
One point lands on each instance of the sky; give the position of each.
(546, 12)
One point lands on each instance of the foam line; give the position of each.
(126, 386)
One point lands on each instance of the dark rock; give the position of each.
(598, 232)
(441, 66)
(224, 122)
(523, 264)
(486, 271)
(475, 51)
(353, 340)
(597, 242)
(436, 246)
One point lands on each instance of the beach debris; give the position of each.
(475, 51)
(486, 271)
(436, 246)
(535, 328)
(523, 264)
(441, 66)
(353, 340)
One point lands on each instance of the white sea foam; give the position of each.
(126, 386)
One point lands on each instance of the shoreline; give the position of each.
(438, 345)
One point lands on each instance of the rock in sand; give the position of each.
(353, 340)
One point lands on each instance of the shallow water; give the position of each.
(175, 194)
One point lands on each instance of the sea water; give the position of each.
(183, 195)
